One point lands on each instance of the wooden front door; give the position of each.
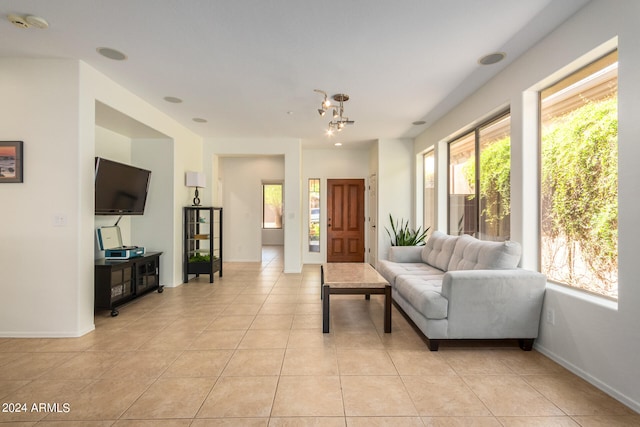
(345, 220)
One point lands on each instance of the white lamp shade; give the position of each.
(196, 179)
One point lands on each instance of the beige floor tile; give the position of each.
(310, 339)
(475, 362)
(354, 339)
(528, 362)
(153, 423)
(240, 397)
(85, 365)
(609, 421)
(308, 396)
(255, 362)
(32, 365)
(461, 422)
(217, 340)
(307, 321)
(376, 396)
(268, 338)
(171, 398)
(196, 324)
(310, 361)
(104, 399)
(307, 422)
(443, 396)
(199, 363)
(231, 422)
(365, 362)
(510, 395)
(180, 340)
(225, 323)
(309, 308)
(272, 321)
(130, 341)
(565, 421)
(384, 422)
(420, 362)
(242, 309)
(576, 396)
(278, 308)
(141, 364)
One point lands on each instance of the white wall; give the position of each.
(39, 275)
(333, 163)
(395, 187)
(594, 338)
(242, 179)
(291, 150)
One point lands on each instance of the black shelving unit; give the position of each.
(202, 244)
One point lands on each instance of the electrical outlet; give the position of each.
(551, 316)
(59, 220)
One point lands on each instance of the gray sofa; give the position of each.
(459, 287)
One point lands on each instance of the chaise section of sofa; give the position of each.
(459, 287)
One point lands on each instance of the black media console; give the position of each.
(119, 281)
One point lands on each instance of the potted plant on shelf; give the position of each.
(402, 235)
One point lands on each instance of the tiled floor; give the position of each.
(249, 350)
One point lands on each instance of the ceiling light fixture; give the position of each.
(339, 119)
(107, 52)
(492, 58)
(199, 120)
(172, 99)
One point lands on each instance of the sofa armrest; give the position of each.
(494, 303)
(405, 253)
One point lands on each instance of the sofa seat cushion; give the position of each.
(391, 270)
(473, 254)
(424, 294)
(438, 250)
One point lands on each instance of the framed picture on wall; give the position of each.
(10, 161)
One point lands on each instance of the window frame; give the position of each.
(475, 130)
(568, 76)
(272, 183)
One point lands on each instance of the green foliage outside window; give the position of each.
(579, 188)
(495, 179)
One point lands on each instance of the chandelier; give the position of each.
(339, 120)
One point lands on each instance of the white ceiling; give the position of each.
(245, 64)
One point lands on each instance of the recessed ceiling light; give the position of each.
(199, 120)
(492, 58)
(172, 99)
(107, 52)
(338, 144)
(419, 122)
(290, 113)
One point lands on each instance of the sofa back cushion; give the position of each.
(438, 250)
(473, 254)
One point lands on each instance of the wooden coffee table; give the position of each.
(353, 278)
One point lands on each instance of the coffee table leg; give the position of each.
(325, 308)
(387, 309)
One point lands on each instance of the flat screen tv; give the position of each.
(120, 189)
